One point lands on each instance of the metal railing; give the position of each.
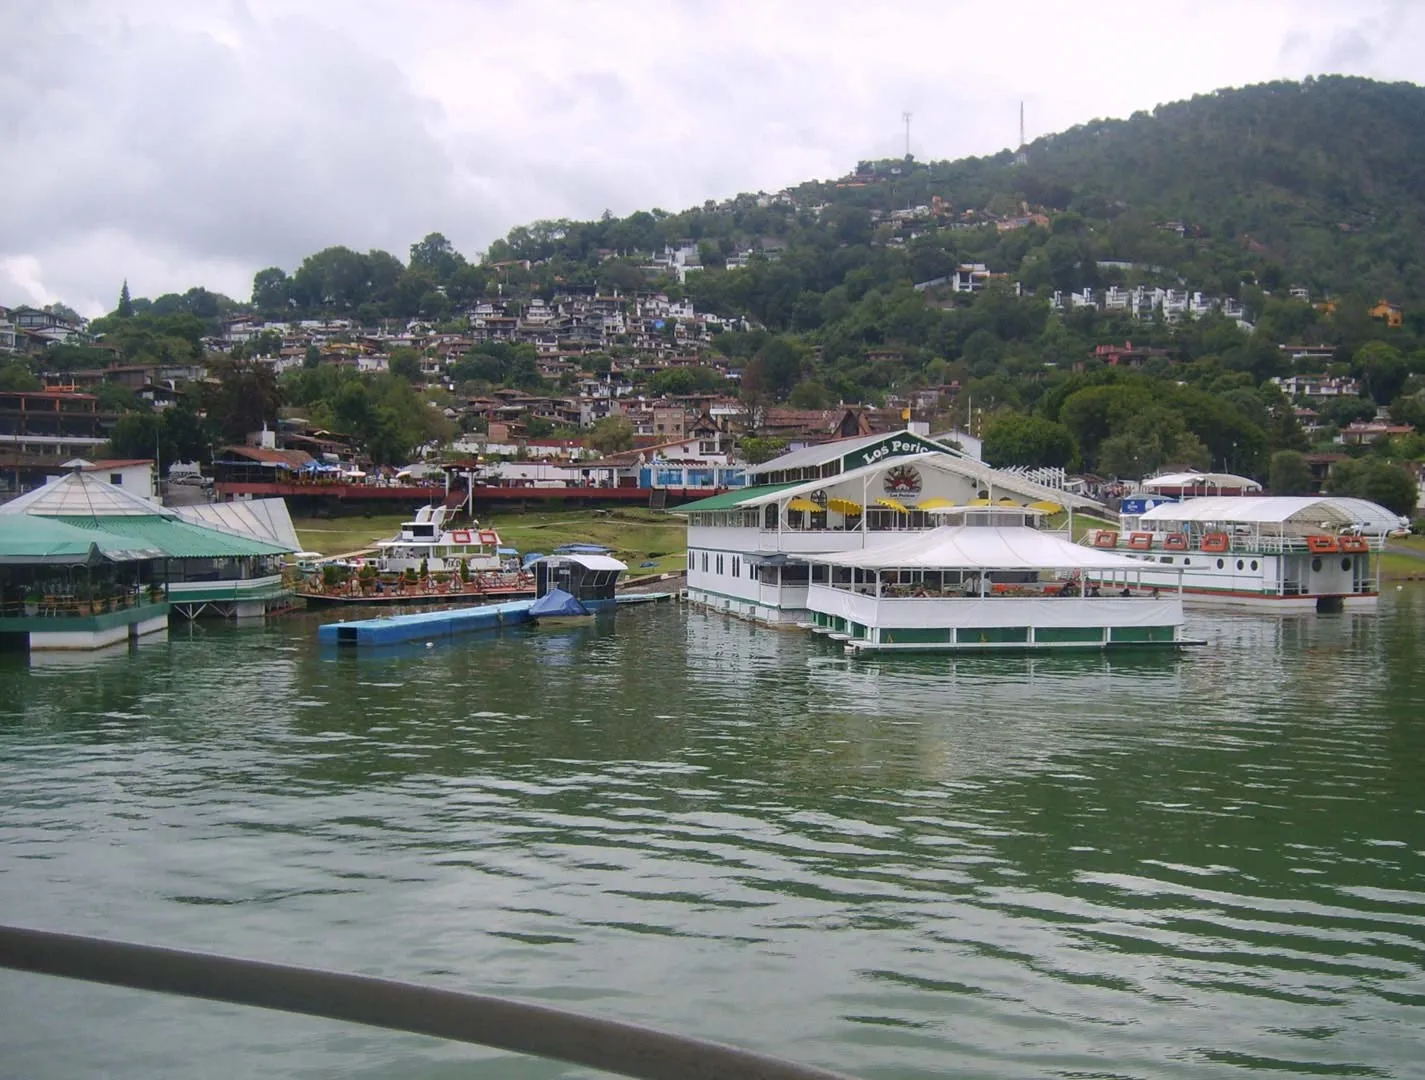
(520, 1027)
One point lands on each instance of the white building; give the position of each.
(852, 494)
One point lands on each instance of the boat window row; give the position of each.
(976, 584)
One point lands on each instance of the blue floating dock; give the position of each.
(426, 625)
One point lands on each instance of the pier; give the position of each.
(424, 625)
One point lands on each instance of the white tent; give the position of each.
(1305, 512)
(976, 547)
(267, 520)
(1221, 481)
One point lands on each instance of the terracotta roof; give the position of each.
(293, 459)
(116, 463)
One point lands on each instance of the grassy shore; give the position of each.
(637, 535)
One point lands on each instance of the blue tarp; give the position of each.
(506, 551)
(583, 549)
(557, 602)
(531, 557)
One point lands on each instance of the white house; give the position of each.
(134, 475)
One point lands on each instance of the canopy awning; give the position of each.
(804, 505)
(1044, 506)
(979, 502)
(934, 504)
(846, 507)
(891, 504)
(977, 547)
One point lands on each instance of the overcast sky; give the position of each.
(184, 142)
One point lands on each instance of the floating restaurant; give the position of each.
(84, 564)
(753, 552)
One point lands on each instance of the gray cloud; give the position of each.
(180, 143)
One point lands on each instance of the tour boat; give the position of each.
(1000, 585)
(430, 542)
(1289, 553)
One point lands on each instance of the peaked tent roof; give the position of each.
(980, 547)
(177, 539)
(267, 520)
(1201, 479)
(79, 494)
(29, 540)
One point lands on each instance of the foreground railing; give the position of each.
(611, 1045)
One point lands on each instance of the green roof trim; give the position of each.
(36, 540)
(177, 539)
(731, 500)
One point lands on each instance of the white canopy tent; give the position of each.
(1307, 513)
(1221, 481)
(973, 547)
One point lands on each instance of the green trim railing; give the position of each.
(521, 1027)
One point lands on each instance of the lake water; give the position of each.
(1077, 866)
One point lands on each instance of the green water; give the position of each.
(903, 867)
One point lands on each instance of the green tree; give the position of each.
(1015, 439)
(1382, 371)
(125, 308)
(1290, 474)
(405, 363)
(1383, 482)
(246, 398)
(15, 375)
(612, 434)
(757, 449)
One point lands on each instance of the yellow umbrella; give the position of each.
(1044, 506)
(891, 504)
(845, 506)
(805, 505)
(934, 504)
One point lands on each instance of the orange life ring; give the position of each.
(1105, 538)
(1216, 542)
(460, 536)
(1320, 545)
(1175, 542)
(488, 536)
(1354, 545)
(1140, 541)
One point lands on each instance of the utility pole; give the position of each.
(1022, 157)
(906, 117)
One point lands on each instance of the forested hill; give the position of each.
(1322, 181)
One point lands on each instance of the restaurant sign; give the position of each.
(891, 446)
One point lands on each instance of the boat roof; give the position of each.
(981, 547)
(588, 562)
(1323, 511)
(1201, 479)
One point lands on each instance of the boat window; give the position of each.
(1316, 565)
(1239, 564)
(1187, 562)
(1165, 558)
(769, 517)
(1345, 564)
(1254, 564)
(818, 574)
(1220, 564)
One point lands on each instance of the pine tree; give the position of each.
(125, 310)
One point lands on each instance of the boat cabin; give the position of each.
(591, 579)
